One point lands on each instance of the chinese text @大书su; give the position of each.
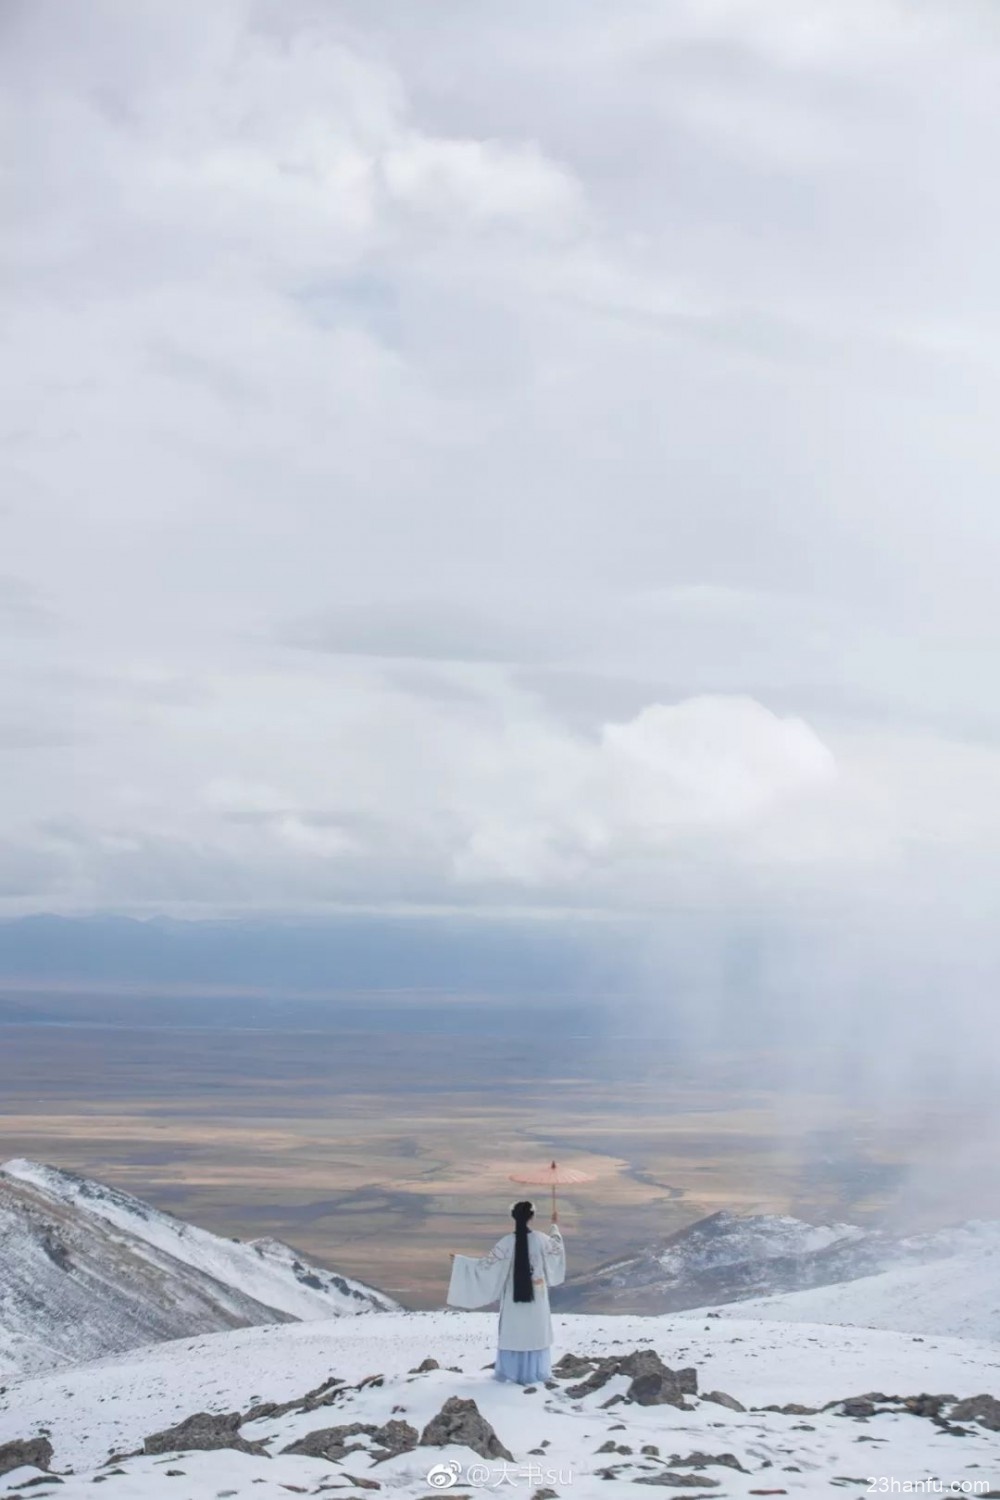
(446, 1476)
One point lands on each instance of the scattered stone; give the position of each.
(202, 1431)
(428, 1364)
(650, 1450)
(856, 1407)
(677, 1481)
(652, 1382)
(982, 1409)
(461, 1422)
(322, 1395)
(794, 1409)
(924, 1405)
(36, 1452)
(722, 1399)
(702, 1461)
(335, 1443)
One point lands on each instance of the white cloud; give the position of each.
(546, 462)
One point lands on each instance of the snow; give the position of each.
(261, 1269)
(729, 1258)
(929, 1325)
(756, 1237)
(112, 1404)
(86, 1271)
(959, 1295)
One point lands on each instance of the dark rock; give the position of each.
(36, 1451)
(793, 1409)
(572, 1366)
(429, 1364)
(334, 1443)
(923, 1405)
(855, 1407)
(322, 1395)
(203, 1431)
(461, 1422)
(703, 1460)
(722, 1399)
(982, 1409)
(678, 1481)
(653, 1383)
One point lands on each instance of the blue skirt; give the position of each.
(524, 1366)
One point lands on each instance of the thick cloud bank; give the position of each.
(512, 460)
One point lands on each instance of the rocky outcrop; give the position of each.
(462, 1423)
(36, 1452)
(982, 1409)
(335, 1443)
(204, 1430)
(652, 1382)
(721, 1398)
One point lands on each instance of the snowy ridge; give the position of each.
(729, 1257)
(266, 1269)
(958, 1295)
(87, 1270)
(365, 1371)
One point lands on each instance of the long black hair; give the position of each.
(524, 1290)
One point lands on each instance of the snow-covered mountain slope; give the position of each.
(959, 1295)
(728, 1257)
(87, 1270)
(568, 1440)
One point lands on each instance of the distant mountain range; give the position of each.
(727, 1258)
(87, 1270)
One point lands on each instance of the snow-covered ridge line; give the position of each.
(728, 1258)
(87, 1269)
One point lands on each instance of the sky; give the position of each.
(525, 461)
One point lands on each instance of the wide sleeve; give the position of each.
(554, 1255)
(478, 1282)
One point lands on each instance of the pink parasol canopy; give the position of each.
(552, 1176)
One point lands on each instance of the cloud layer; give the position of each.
(500, 460)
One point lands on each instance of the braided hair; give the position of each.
(524, 1290)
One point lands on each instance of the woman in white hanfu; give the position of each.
(518, 1272)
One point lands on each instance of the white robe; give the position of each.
(478, 1282)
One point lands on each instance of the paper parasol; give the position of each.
(552, 1176)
